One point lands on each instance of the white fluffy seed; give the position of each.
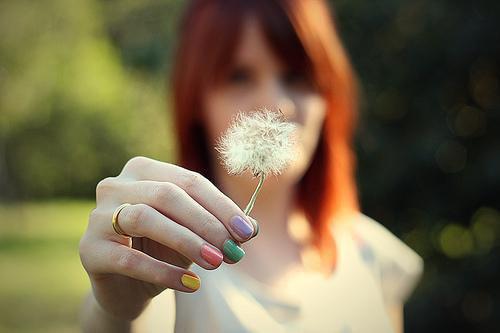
(260, 141)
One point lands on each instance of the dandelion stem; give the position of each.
(249, 207)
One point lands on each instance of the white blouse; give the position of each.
(374, 269)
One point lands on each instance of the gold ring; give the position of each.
(116, 226)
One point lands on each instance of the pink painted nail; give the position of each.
(211, 254)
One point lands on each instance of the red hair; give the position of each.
(303, 35)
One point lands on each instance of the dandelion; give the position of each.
(260, 142)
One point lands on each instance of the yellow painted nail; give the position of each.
(190, 281)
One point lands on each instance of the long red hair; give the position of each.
(303, 35)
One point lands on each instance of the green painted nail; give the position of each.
(233, 251)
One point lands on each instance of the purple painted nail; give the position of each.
(241, 227)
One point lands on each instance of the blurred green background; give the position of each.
(83, 88)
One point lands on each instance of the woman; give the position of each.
(317, 264)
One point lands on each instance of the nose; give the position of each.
(276, 97)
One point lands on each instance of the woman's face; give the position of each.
(258, 79)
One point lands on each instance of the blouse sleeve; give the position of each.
(397, 267)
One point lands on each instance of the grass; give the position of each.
(42, 282)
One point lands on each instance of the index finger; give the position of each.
(240, 226)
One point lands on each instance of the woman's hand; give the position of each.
(176, 217)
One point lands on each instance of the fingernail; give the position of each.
(211, 254)
(190, 282)
(233, 251)
(241, 227)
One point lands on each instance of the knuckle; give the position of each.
(135, 215)
(181, 244)
(94, 215)
(135, 163)
(220, 201)
(208, 226)
(192, 180)
(105, 186)
(127, 261)
(87, 251)
(158, 278)
(83, 248)
(97, 214)
(166, 192)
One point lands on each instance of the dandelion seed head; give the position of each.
(260, 141)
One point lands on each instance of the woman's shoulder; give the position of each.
(398, 266)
